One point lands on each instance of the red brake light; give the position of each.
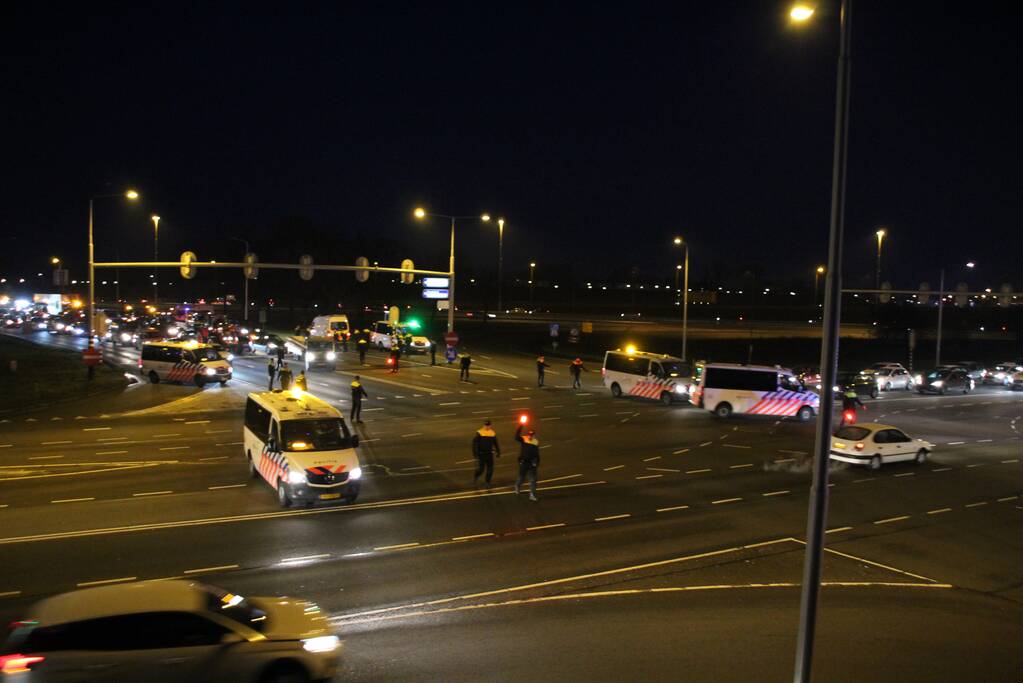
(390, 361)
(850, 418)
(16, 664)
(859, 446)
(523, 419)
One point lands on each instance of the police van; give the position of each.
(726, 389)
(335, 326)
(183, 361)
(646, 375)
(301, 446)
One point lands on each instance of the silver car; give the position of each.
(893, 378)
(157, 631)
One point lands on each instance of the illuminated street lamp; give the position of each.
(421, 214)
(131, 195)
(532, 267)
(880, 234)
(156, 256)
(816, 518)
(679, 242)
(55, 262)
(500, 261)
(816, 281)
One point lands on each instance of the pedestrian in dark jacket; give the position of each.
(362, 344)
(280, 355)
(271, 369)
(465, 360)
(395, 358)
(358, 393)
(433, 352)
(541, 366)
(529, 460)
(484, 447)
(576, 368)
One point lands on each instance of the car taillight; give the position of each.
(859, 446)
(140, 363)
(850, 418)
(16, 664)
(390, 361)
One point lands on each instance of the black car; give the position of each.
(864, 384)
(944, 380)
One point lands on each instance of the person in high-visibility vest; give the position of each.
(484, 448)
(529, 460)
(358, 393)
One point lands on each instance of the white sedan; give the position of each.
(873, 444)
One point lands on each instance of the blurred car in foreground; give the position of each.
(974, 370)
(1001, 374)
(169, 631)
(873, 445)
(944, 380)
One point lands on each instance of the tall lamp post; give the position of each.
(532, 268)
(818, 510)
(421, 213)
(156, 257)
(679, 242)
(500, 262)
(941, 306)
(130, 194)
(880, 234)
(246, 293)
(816, 282)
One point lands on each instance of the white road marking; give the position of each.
(211, 569)
(706, 469)
(106, 581)
(739, 467)
(725, 500)
(975, 505)
(775, 493)
(609, 518)
(71, 500)
(679, 452)
(197, 422)
(674, 507)
(54, 443)
(616, 467)
(662, 469)
(544, 526)
(45, 457)
(97, 429)
(471, 537)
(226, 486)
(892, 519)
(939, 511)
(589, 415)
(451, 403)
(110, 452)
(405, 436)
(174, 448)
(151, 493)
(650, 476)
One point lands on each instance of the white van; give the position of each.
(647, 375)
(301, 446)
(382, 332)
(727, 388)
(335, 326)
(183, 361)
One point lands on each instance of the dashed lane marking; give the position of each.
(54, 443)
(939, 511)
(956, 443)
(662, 469)
(545, 526)
(110, 452)
(174, 448)
(481, 412)
(415, 469)
(9, 594)
(616, 467)
(450, 403)
(1007, 499)
(734, 445)
(941, 469)
(775, 493)
(705, 443)
(305, 558)
(103, 582)
(889, 520)
(782, 450)
(779, 461)
(522, 398)
(71, 500)
(706, 469)
(197, 422)
(96, 429)
(472, 537)
(405, 436)
(588, 415)
(649, 476)
(725, 500)
(680, 451)
(673, 508)
(48, 457)
(739, 467)
(838, 529)
(398, 546)
(151, 493)
(215, 457)
(218, 431)
(656, 457)
(203, 570)
(976, 505)
(112, 438)
(548, 419)
(226, 486)
(567, 476)
(445, 415)
(906, 474)
(163, 436)
(611, 517)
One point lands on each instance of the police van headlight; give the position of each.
(937, 383)
(172, 331)
(125, 336)
(211, 371)
(679, 389)
(356, 473)
(296, 477)
(321, 644)
(310, 356)
(331, 355)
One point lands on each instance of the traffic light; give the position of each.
(413, 323)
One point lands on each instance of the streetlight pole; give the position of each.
(816, 283)
(877, 276)
(685, 294)
(532, 267)
(246, 293)
(818, 512)
(941, 306)
(130, 194)
(421, 213)
(500, 262)
(156, 258)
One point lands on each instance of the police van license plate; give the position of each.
(329, 496)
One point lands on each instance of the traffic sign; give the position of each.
(305, 272)
(252, 270)
(435, 294)
(451, 338)
(92, 356)
(408, 278)
(436, 282)
(555, 330)
(361, 275)
(450, 354)
(188, 271)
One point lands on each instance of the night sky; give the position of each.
(597, 131)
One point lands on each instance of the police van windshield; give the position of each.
(671, 369)
(339, 325)
(205, 354)
(328, 434)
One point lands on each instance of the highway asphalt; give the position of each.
(665, 544)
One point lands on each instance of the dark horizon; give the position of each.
(597, 136)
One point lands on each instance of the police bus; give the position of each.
(300, 446)
(183, 361)
(727, 388)
(646, 375)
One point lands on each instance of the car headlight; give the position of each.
(172, 331)
(211, 371)
(125, 336)
(296, 477)
(310, 356)
(356, 473)
(331, 355)
(271, 345)
(108, 334)
(679, 389)
(321, 644)
(999, 375)
(244, 330)
(230, 356)
(937, 383)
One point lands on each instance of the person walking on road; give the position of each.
(433, 352)
(285, 376)
(301, 382)
(395, 358)
(271, 370)
(362, 344)
(464, 361)
(280, 356)
(850, 401)
(484, 448)
(529, 460)
(344, 342)
(541, 366)
(577, 368)
(358, 393)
